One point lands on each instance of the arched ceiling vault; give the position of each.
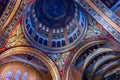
(42, 57)
(89, 58)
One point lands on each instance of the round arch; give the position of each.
(80, 51)
(28, 50)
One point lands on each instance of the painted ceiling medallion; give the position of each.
(54, 13)
(54, 25)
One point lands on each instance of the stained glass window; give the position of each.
(8, 75)
(25, 76)
(31, 78)
(17, 75)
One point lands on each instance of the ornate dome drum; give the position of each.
(54, 25)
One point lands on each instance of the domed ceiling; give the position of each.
(58, 40)
(54, 25)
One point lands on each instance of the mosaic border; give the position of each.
(101, 20)
(107, 11)
(13, 23)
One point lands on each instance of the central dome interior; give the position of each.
(55, 25)
(55, 13)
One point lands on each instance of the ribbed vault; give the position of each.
(93, 60)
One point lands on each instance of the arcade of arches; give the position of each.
(59, 39)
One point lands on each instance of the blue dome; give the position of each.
(55, 25)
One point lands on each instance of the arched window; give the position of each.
(75, 36)
(25, 76)
(28, 26)
(8, 75)
(40, 40)
(53, 44)
(31, 78)
(63, 43)
(17, 75)
(36, 37)
(58, 44)
(1, 75)
(30, 31)
(70, 39)
(45, 42)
